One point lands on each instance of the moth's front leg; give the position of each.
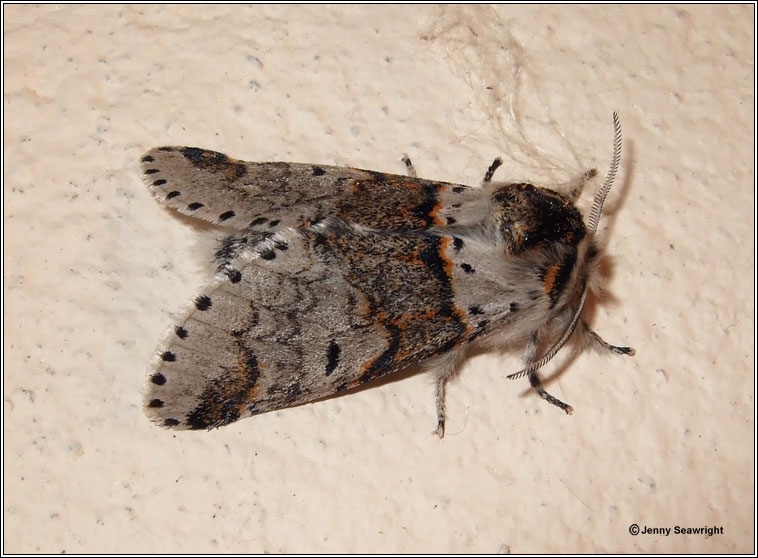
(539, 388)
(534, 379)
(601, 345)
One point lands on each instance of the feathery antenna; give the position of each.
(597, 209)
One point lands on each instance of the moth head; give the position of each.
(530, 217)
(587, 254)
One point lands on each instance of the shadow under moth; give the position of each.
(331, 277)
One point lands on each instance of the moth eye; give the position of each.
(592, 252)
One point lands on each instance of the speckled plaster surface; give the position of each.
(95, 272)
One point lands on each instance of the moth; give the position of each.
(331, 277)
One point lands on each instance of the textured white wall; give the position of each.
(95, 272)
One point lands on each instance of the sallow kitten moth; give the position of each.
(332, 277)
